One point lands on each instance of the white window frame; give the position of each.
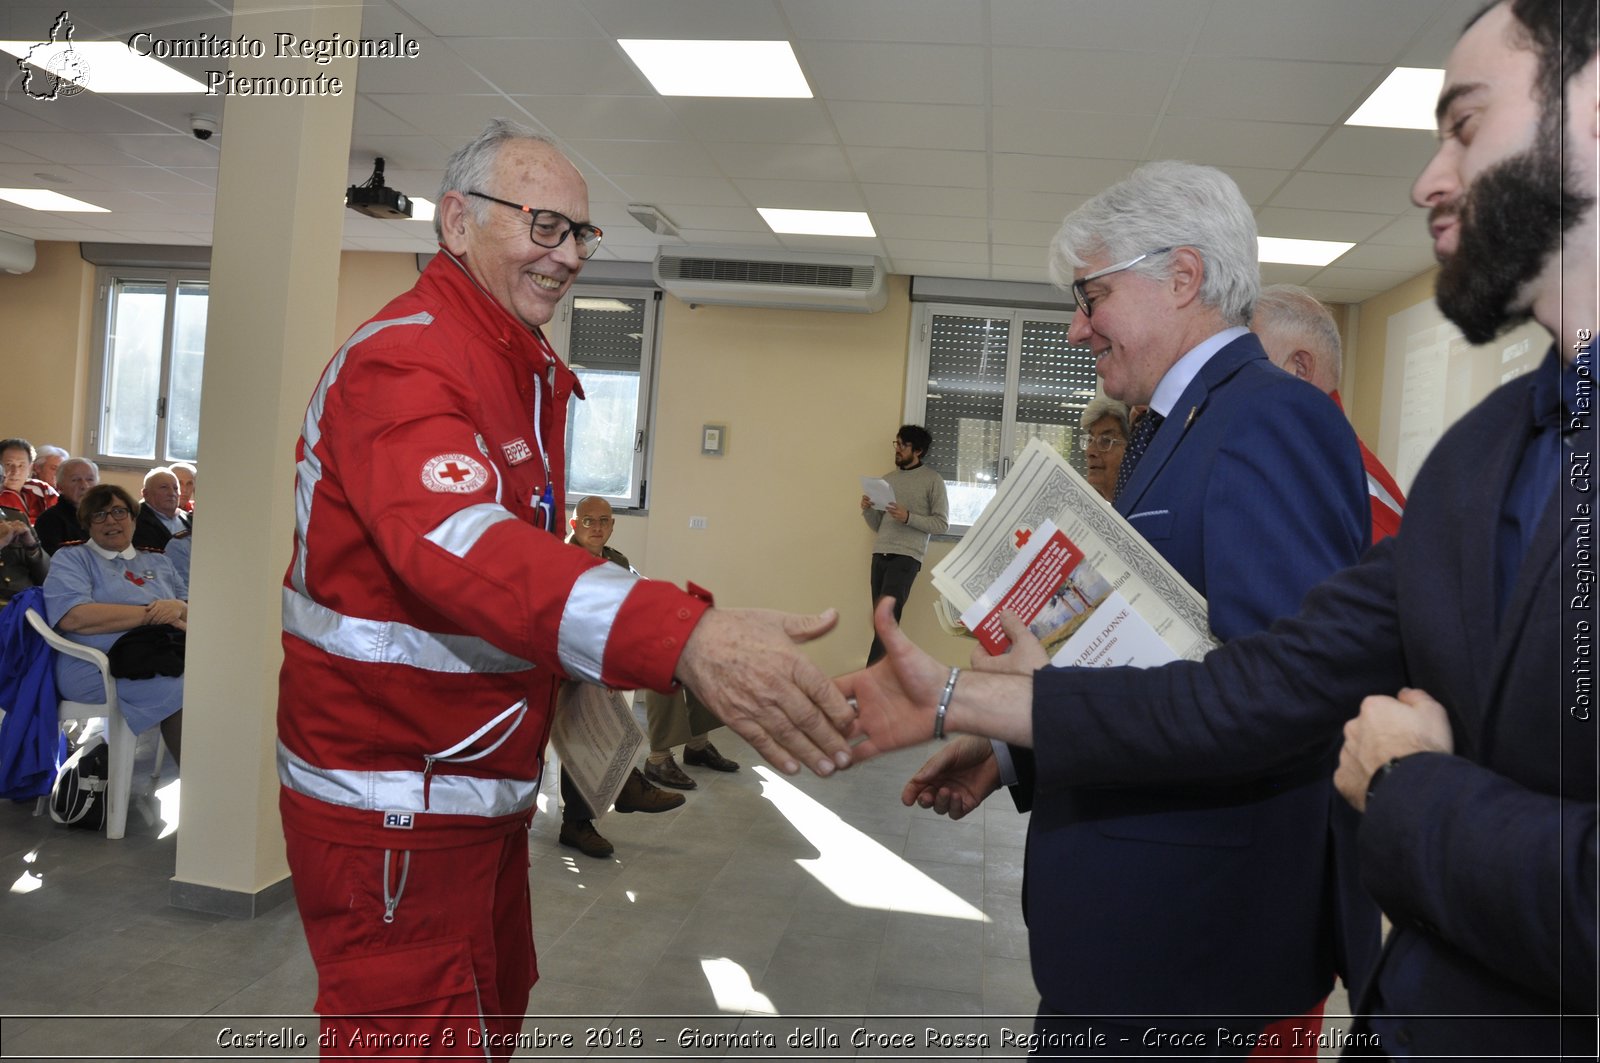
(917, 385)
(559, 332)
(106, 277)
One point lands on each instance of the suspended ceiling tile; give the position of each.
(1224, 141)
(1374, 152)
(909, 125)
(778, 162)
(1099, 25)
(1272, 90)
(1075, 79)
(920, 21)
(894, 73)
(1297, 224)
(912, 199)
(1344, 192)
(1350, 31)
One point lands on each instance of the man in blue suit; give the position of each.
(1185, 902)
(1466, 641)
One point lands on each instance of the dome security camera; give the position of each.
(203, 126)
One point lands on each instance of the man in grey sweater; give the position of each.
(919, 510)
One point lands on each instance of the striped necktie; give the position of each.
(1144, 430)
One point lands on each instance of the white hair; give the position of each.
(159, 470)
(1169, 205)
(46, 452)
(63, 470)
(1291, 310)
(1105, 406)
(469, 169)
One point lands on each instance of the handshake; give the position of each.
(743, 663)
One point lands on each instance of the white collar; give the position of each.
(1185, 369)
(127, 553)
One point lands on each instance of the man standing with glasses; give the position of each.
(1184, 902)
(431, 608)
(920, 509)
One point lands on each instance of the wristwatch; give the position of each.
(1381, 774)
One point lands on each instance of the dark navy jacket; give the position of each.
(1150, 894)
(1485, 860)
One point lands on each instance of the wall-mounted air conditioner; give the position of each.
(792, 280)
(16, 253)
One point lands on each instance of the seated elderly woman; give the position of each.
(98, 591)
(1104, 441)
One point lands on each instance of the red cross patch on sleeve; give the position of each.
(454, 473)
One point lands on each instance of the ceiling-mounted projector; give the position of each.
(377, 200)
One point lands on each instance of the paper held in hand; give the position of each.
(1050, 549)
(596, 737)
(878, 491)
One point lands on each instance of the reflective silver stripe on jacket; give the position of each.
(1378, 491)
(461, 530)
(586, 622)
(308, 471)
(391, 642)
(402, 791)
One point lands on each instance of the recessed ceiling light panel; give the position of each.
(818, 222)
(103, 66)
(1300, 252)
(720, 68)
(44, 199)
(1405, 100)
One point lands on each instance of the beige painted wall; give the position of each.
(811, 401)
(1365, 401)
(47, 317)
(368, 280)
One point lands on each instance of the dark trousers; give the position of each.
(573, 807)
(892, 575)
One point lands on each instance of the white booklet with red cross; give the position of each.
(1051, 549)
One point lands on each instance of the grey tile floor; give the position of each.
(764, 905)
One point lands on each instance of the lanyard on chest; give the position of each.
(544, 504)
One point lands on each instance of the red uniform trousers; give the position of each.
(447, 975)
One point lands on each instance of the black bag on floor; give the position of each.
(78, 797)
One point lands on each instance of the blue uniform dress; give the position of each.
(82, 574)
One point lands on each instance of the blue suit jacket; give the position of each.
(1177, 898)
(1486, 860)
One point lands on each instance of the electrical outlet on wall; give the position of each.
(697, 523)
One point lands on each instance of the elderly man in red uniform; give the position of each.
(431, 609)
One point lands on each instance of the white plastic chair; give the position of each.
(121, 742)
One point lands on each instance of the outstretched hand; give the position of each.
(896, 697)
(956, 779)
(745, 665)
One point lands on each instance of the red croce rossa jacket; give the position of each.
(431, 608)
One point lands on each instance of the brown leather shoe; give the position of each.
(708, 757)
(580, 834)
(667, 773)
(639, 796)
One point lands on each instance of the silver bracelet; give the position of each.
(944, 702)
